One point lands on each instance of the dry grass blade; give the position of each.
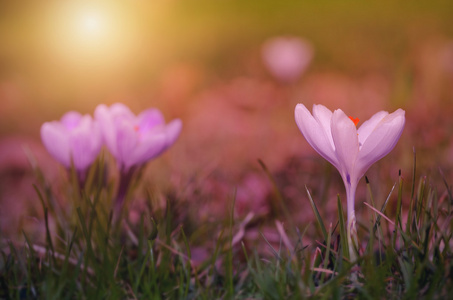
(378, 212)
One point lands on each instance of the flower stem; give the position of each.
(351, 230)
(124, 183)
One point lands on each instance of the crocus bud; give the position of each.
(74, 137)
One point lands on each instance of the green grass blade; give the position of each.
(327, 252)
(420, 200)
(450, 195)
(399, 202)
(229, 253)
(278, 196)
(189, 264)
(48, 236)
(317, 215)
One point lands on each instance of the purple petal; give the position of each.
(381, 140)
(314, 133)
(154, 142)
(344, 134)
(324, 116)
(127, 141)
(107, 127)
(173, 129)
(71, 119)
(150, 118)
(369, 125)
(134, 140)
(121, 111)
(85, 143)
(56, 140)
(149, 147)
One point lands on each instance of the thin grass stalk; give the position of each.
(214, 257)
(376, 220)
(32, 255)
(68, 252)
(449, 192)
(278, 196)
(138, 279)
(398, 225)
(190, 267)
(412, 199)
(89, 256)
(229, 253)
(420, 200)
(317, 215)
(327, 253)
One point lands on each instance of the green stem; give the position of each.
(124, 184)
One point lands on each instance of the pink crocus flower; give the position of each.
(287, 57)
(134, 140)
(352, 151)
(75, 137)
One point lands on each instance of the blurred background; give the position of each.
(233, 71)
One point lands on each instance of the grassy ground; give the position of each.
(89, 253)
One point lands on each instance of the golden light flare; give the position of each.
(92, 24)
(94, 34)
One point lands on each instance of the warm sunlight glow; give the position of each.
(92, 23)
(96, 36)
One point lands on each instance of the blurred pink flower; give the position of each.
(74, 137)
(133, 140)
(352, 151)
(287, 57)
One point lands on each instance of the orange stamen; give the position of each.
(356, 120)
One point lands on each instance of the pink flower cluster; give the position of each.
(132, 140)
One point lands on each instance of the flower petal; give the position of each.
(56, 140)
(127, 141)
(381, 140)
(71, 119)
(173, 129)
(156, 142)
(85, 143)
(149, 147)
(150, 118)
(369, 125)
(121, 111)
(107, 126)
(134, 140)
(344, 134)
(314, 133)
(324, 116)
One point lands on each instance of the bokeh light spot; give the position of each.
(91, 23)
